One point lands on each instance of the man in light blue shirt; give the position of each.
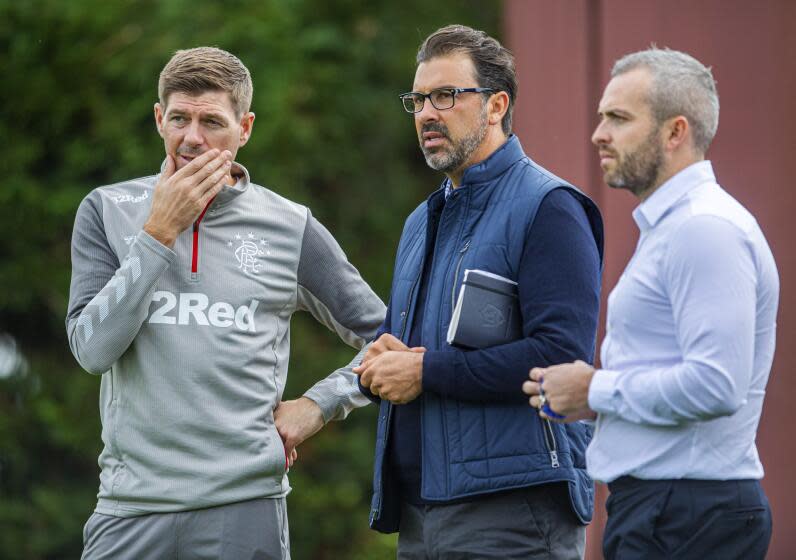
(690, 335)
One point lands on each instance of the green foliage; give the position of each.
(79, 83)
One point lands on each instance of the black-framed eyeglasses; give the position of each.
(441, 98)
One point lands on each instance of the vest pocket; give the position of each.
(499, 439)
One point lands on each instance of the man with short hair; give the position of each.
(183, 286)
(690, 332)
(464, 469)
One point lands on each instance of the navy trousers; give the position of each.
(683, 519)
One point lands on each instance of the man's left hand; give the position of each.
(396, 376)
(566, 390)
(296, 421)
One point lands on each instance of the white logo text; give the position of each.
(118, 199)
(191, 307)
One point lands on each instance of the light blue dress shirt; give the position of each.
(689, 340)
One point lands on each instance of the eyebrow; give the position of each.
(613, 113)
(434, 88)
(214, 116)
(209, 115)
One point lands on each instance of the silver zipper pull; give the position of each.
(554, 459)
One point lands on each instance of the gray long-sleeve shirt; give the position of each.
(193, 342)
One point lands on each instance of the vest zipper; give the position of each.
(195, 247)
(376, 512)
(550, 440)
(462, 251)
(409, 304)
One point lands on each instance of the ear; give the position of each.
(677, 133)
(246, 125)
(159, 118)
(498, 105)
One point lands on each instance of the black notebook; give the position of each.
(487, 312)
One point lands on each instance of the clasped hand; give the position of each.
(565, 388)
(391, 370)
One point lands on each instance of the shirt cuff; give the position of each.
(438, 372)
(326, 403)
(155, 246)
(602, 391)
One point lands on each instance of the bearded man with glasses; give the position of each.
(464, 469)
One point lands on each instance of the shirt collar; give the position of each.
(448, 184)
(649, 213)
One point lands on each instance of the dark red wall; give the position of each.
(565, 50)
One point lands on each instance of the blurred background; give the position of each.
(77, 84)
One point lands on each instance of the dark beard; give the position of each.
(449, 161)
(639, 170)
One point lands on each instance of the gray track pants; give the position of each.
(252, 530)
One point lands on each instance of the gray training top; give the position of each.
(193, 342)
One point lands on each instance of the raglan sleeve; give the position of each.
(108, 299)
(333, 291)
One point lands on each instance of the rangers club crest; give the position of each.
(248, 250)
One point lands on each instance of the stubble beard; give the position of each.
(638, 171)
(451, 159)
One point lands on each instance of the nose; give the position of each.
(193, 135)
(600, 135)
(427, 113)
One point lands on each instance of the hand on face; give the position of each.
(566, 391)
(180, 196)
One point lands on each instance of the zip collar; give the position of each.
(485, 172)
(496, 164)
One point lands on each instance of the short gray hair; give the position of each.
(681, 85)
